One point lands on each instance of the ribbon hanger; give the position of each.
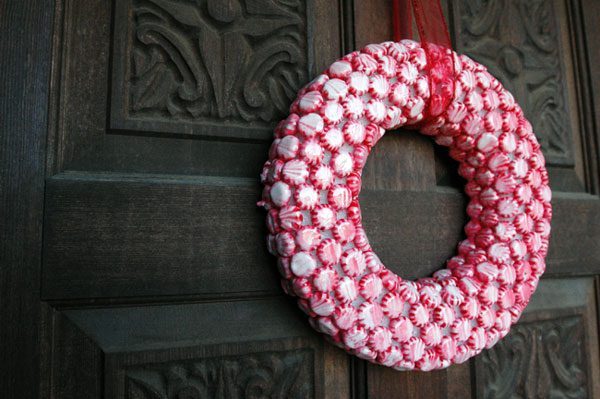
(429, 17)
(435, 39)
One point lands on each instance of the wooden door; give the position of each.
(134, 262)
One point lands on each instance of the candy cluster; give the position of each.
(311, 185)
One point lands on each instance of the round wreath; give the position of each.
(311, 185)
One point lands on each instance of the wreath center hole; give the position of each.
(413, 224)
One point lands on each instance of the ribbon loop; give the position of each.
(435, 39)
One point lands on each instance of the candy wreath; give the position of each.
(312, 181)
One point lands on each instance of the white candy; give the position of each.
(335, 89)
(280, 193)
(303, 264)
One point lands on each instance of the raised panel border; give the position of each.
(93, 350)
(106, 235)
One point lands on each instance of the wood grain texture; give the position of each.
(336, 369)
(79, 138)
(383, 382)
(401, 160)
(399, 225)
(24, 75)
(111, 237)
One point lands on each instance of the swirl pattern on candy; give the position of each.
(311, 185)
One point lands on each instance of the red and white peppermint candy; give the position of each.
(308, 238)
(339, 197)
(333, 112)
(310, 125)
(288, 147)
(400, 94)
(303, 264)
(342, 163)
(358, 83)
(324, 279)
(345, 316)
(290, 218)
(340, 69)
(392, 305)
(344, 231)
(353, 107)
(312, 184)
(380, 339)
(346, 290)
(370, 315)
(322, 304)
(310, 101)
(354, 132)
(333, 139)
(280, 193)
(322, 177)
(335, 89)
(295, 171)
(312, 151)
(286, 245)
(355, 337)
(323, 217)
(376, 111)
(354, 262)
(306, 196)
(370, 286)
(379, 86)
(329, 252)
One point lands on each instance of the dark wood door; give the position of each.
(134, 262)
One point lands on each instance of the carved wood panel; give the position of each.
(519, 42)
(186, 64)
(552, 352)
(544, 359)
(284, 374)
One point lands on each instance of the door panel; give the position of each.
(534, 48)
(155, 266)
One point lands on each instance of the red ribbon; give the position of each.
(429, 16)
(435, 39)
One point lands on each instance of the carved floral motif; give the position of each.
(518, 40)
(262, 375)
(537, 360)
(238, 60)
